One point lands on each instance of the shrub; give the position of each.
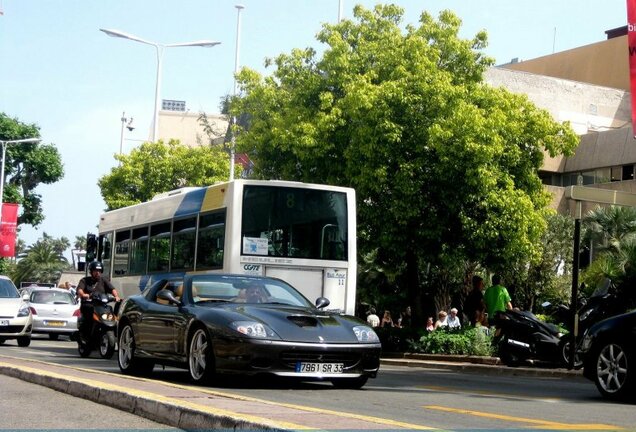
(464, 341)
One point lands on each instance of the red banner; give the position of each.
(631, 44)
(8, 229)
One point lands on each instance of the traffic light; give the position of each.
(91, 247)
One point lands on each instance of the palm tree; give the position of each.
(78, 246)
(613, 232)
(42, 262)
(608, 227)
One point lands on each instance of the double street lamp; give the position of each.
(159, 48)
(4, 154)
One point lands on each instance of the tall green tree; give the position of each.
(158, 167)
(27, 166)
(43, 261)
(444, 165)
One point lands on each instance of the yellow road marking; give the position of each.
(545, 424)
(371, 419)
(489, 393)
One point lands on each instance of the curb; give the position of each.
(474, 364)
(163, 411)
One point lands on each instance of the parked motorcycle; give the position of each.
(103, 330)
(603, 303)
(522, 337)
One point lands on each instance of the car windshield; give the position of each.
(7, 289)
(52, 297)
(238, 289)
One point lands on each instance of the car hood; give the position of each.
(9, 307)
(302, 324)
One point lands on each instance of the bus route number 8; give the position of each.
(291, 200)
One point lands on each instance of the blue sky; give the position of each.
(59, 71)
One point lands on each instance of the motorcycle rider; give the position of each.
(87, 286)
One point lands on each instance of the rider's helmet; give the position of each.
(95, 265)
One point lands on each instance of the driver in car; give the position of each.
(253, 293)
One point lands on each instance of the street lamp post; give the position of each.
(159, 48)
(4, 154)
(239, 8)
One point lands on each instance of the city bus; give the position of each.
(304, 234)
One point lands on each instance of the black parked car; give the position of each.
(218, 323)
(609, 356)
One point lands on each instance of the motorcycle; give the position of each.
(103, 330)
(522, 337)
(603, 303)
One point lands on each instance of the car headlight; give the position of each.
(24, 310)
(254, 329)
(365, 334)
(108, 317)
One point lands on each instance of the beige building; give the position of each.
(186, 127)
(604, 63)
(578, 86)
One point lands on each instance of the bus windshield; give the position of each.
(294, 222)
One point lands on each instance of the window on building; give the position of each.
(617, 173)
(603, 175)
(628, 172)
(588, 177)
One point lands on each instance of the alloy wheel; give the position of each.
(197, 357)
(611, 368)
(126, 348)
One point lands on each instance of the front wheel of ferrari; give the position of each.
(129, 363)
(200, 357)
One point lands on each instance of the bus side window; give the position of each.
(211, 241)
(122, 242)
(138, 251)
(159, 249)
(104, 251)
(183, 240)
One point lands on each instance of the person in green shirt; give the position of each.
(496, 297)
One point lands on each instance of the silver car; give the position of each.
(16, 321)
(55, 312)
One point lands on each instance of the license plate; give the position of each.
(56, 323)
(4, 322)
(319, 368)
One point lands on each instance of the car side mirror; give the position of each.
(322, 302)
(168, 296)
(25, 296)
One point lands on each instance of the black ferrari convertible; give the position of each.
(219, 323)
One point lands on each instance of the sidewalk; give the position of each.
(474, 364)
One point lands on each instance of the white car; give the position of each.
(55, 312)
(16, 321)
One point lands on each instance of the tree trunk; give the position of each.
(414, 290)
